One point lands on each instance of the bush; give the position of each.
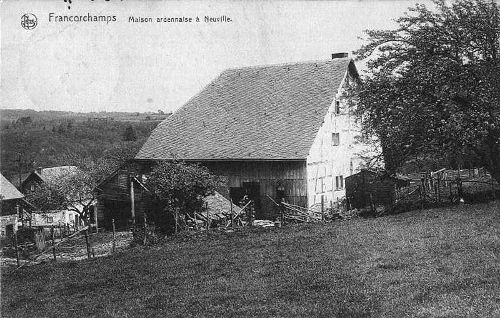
(179, 189)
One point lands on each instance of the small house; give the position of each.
(52, 176)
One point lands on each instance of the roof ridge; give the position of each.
(178, 110)
(258, 66)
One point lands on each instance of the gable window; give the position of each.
(32, 187)
(337, 107)
(339, 182)
(335, 139)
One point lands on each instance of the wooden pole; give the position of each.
(493, 189)
(208, 216)
(232, 219)
(132, 200)
(87, 243)
(114, 234)
(372, 206)
(322, 208)
(53, 243)
(176, 219)
(195, 222)
(17, 248)
(95, 221)
(421, 197)
(451, 192)
(146, 230)
(459, 188)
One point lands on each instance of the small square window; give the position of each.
(50, 219)
(339, 182)
(335, 139)
(337, 107)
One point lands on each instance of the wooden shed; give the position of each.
(372, 187)
(122, 197)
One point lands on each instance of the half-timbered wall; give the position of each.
(334, 154)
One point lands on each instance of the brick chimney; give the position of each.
(339, 55)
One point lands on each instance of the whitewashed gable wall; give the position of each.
(325, 161)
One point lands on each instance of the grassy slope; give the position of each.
(435, 263)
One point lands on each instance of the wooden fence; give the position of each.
(52, 240)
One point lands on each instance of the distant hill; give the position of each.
(32, 138)
(12, 115)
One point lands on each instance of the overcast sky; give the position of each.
(124, 66)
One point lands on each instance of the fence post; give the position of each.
(459, 189)
(176, 220)
(322, 208)
(493, 188)
(87, 242)
(232, 219)
(114, 230)
(208, 217)
(420, 191)
(95, 221)
(424, 192)
(146, 230)
(451, 192)
(372, 206)
(17, 248)
(53, 242)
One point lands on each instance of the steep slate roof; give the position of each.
(55, 174)
(52, 175)
(14, 179)
(267, 112)
(8, 191)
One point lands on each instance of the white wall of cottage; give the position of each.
(326, 161)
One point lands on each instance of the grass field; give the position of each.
(433, 263)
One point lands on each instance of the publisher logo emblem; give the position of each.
(29, 21)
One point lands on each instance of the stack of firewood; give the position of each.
(297, 213)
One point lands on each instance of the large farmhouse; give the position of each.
(279, 131)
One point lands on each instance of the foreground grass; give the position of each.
(434, 263)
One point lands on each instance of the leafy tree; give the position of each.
(130, 134)
(73, 191)
(180, 188)
(46, 198)
(432, 88)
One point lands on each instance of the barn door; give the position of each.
(252, 189)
